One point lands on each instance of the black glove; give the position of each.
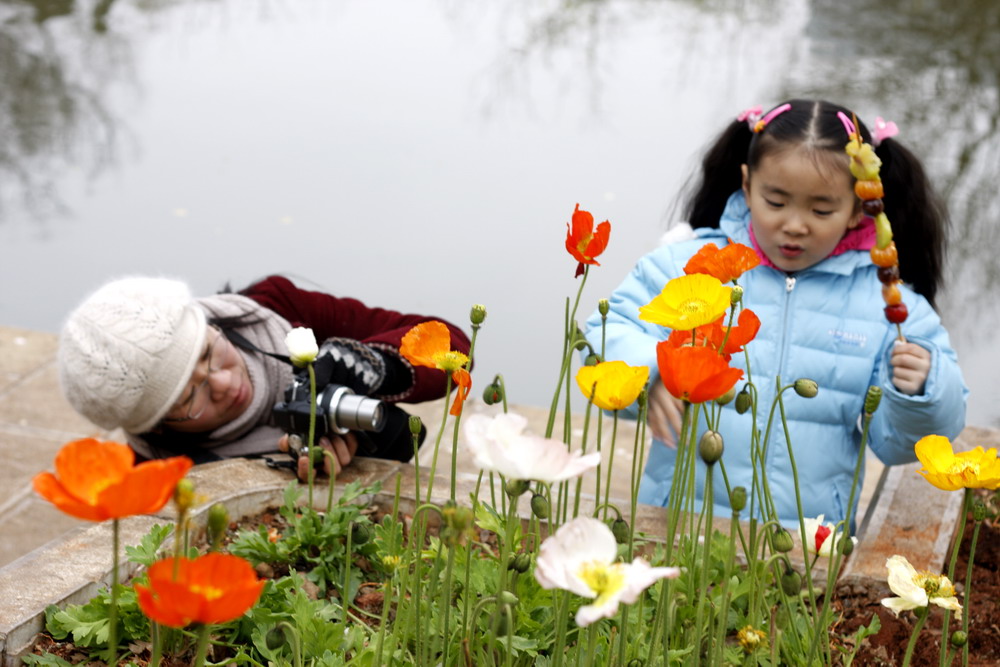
(350, 363)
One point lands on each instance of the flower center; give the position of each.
(583, 243)
(208, 592)
(934, 585)
(450, 361)
(693, 306)
(961, 466)
(603, 579)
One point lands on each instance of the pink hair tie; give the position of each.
(883, 130)
(848, 124)
(751, 116)
(771, 115)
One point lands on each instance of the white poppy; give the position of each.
(499, 444)
(301, 344)
(816, 529)
(580, 558)
(918, 589)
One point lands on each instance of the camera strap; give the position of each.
(239, 340)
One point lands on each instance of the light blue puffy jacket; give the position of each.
(824, 323)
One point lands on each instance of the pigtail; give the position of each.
(720, 176)
(918, 216)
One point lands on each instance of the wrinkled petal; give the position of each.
(423, 342)
(618, 385)
(688, 302)
(463, 385)
(582, 242)
(48, 487)
(146, 489)
(302, 346)
(695, 374)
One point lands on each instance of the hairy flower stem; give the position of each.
(458, 418)
(568, 350)
(113, 611)
(968, 590)
(611, 461)
(921, 618)
(437, 441)
(312, 431)
(199, 654)
(591, 643)
(639, 453)
(583, 450)
(709, 504)
(945, 621)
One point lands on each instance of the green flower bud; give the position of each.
(806, 388)
(521, 562)
(791, 582)
(710, 447)
(516, 487)
(736, 295)
(846, 545)
(592, 359)
(478, 314)
(959, 639)
(493, 393)
(635, 662)
(872, 399)
(738, 498)
(728, 397)
(744, 400)
(619, 528)
(184, 495)
(782, 540)
(643, 397)
(360, 533)
(275, 638)
(501, 623)
(540, 506)
(603, 307)
(506, 597)
(218, 522)
(978, 510)
(415, 425)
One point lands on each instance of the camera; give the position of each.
(338, 410)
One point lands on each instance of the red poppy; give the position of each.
(463, 385)
(822, 532)
(99, 480)
(583, 242)
(214, 588)
(747, 326)
(695, 374)
(727, 264)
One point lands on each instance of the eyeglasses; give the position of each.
(201, 397)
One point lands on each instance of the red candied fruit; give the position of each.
(888, 274)
(872, 207)
(897, 313)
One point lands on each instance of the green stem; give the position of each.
(921, 618)
(312, 431)
(437, 441)
(968, 594)
(945, 622)
(113, 611)
(611, 460)
(568, 350)
(199, 654)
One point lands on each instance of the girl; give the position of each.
(785, 190)
(194, 376)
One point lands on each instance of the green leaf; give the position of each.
(146, 552)
(46, 660)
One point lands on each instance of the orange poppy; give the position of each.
(747, 326)
(727, 264)
(99, 480)
(429, 344)
(214, 588)
(463, 385)
(583, 242)
(695, 374)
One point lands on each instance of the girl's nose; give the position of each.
(218, 383)
(794, 225)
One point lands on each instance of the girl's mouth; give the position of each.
(791, 251)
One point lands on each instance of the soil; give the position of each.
(855, 604)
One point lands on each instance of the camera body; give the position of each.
(338, 410)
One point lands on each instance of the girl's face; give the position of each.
(801, 205)
(218, 391)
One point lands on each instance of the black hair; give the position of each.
(918, 216)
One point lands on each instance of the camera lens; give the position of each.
(359, 413)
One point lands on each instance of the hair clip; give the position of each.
(883, 130)
(848, 125)
(751, 116)
(771, 115)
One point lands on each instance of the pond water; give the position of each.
(425, 155)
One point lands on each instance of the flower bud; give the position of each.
(275, 638)
(184, 495)
(978, 510)
(415, 425)
(710, 447)
(806, 388)
(736, 295)
(635, 662)
(360, 533)
(727, 398)
(218, 522)
(516, 487)
(782, 541)
(478, 314)
(521, 562)
(959, 638)
(506, 597)
(791, 582)
(619, 528)
(592, 359)
(872, 399)
(738, 498)
(540, 506)
(493, 393)
(744, 400)
(302, 347)
(846, 545)
(643, 397)
(603, 307)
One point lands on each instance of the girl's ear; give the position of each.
(856, 219)
(746, 182)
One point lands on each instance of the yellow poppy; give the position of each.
(688, 302)
(618, 384)
(975, 469)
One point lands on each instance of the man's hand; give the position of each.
(343, 448)
(665, 413)
(911, 364)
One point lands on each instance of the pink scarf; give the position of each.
(861, 237)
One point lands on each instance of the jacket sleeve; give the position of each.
(329, 316)
(901, 419)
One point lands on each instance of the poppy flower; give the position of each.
(302, 347)
(918, 589)
(214, 588)
(581, 557)
(695, 374)
(688, 302)
(727, 263)
(975, 469)
(463, 385)
(583, 242)
(816, 539)
(500, 444)
(99, 480)
(617, 383)
(429, 344)
(745, 330)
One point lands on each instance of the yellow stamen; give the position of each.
(208, 592)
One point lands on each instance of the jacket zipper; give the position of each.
(782, 349)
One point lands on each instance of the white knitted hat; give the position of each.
(127, 352)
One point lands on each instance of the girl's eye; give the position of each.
(822, 213)
(773, 204)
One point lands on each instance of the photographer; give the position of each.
(201, 377)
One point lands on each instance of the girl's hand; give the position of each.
(665, 413)
(343, 448)
(911, 365)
